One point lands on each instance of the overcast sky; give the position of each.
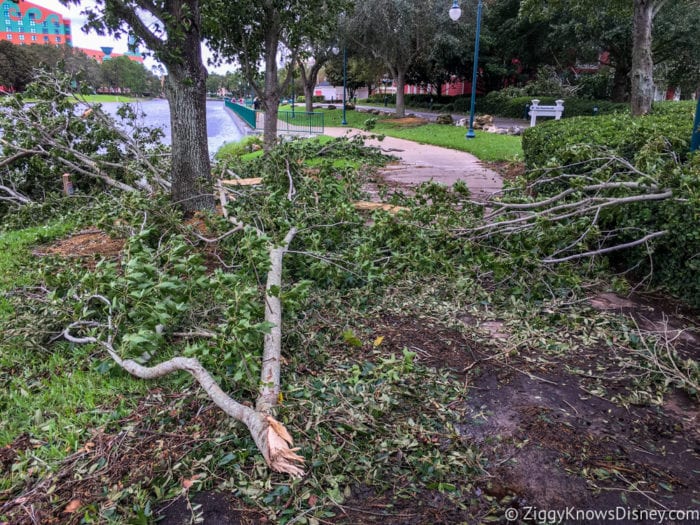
(94, 41)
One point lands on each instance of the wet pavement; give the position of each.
(421, 163)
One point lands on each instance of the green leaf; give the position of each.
(350, 338)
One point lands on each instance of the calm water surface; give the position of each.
(221, 126)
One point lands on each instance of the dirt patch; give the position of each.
(9, 453)
(549, 442)
(90, 245)
(507, 170)
(407, 122)
(434, 344)
(209, 508)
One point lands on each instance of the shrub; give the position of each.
(378, 98)
(499, 103)
(619, 132)
(656, 148)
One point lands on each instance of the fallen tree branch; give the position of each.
(270, 436)
(272, 351)
(610, 249)
(14, 196)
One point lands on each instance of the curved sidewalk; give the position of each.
(421, 163)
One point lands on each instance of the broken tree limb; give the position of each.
(270, 436)
(610, 249)
(272, 351)
(576, 201)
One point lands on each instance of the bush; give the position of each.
(657, 150)
(316, 98)
(378, 98)
(619, 132)
(499, 103)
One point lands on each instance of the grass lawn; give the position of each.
(108, 98)
(486, 146)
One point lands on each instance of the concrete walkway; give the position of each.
(421, 163)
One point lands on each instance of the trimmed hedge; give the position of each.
(619, 132)
(657, 145)
(499, 104)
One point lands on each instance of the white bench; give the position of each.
(545, 111)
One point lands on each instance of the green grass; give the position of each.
(486, 146)
(108, 98)
(54, 397)
(15, 257)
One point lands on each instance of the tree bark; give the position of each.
(621, 82)
(400, 79)
(642, 64)
(186, 92)
(309, 79)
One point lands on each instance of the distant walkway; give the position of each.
(499, 122)
(421, 163)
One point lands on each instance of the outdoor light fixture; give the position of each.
(455, 13)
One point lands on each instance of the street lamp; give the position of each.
(385, 81)
(695, 137)
(455, 13)
(336, 50)
(293, 93)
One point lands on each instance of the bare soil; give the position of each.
(550, 443)
(89, 245)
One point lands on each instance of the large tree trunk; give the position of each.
(271, 96)
(186, 92)
(642, 63)
(621, 82)
(271, 101)
(400, 79)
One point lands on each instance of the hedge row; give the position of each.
(658, 146)
(499, 104)
(496, 103)
(619, 132)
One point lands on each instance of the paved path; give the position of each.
(499, 122)
(421, 163)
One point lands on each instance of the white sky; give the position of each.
(94, 41)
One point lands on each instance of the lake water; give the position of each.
(221, 127)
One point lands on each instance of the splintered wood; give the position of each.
(242, 182)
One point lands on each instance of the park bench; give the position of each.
(545, 111)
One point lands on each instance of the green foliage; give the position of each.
(59, 133)
(619, 133)
(232, 150)
(501, 104)
(656, 148)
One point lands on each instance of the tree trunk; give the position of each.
(271, 99)
(400, 79)
(309, 97)
(186, 92)
(642, 64)
(621, 81)
(309, 79)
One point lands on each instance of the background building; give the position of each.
(26, 23)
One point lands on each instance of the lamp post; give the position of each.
(385, 82)
(345, 81)
(293, 94)
(695, 138)
(336, 50)
(455, 13)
